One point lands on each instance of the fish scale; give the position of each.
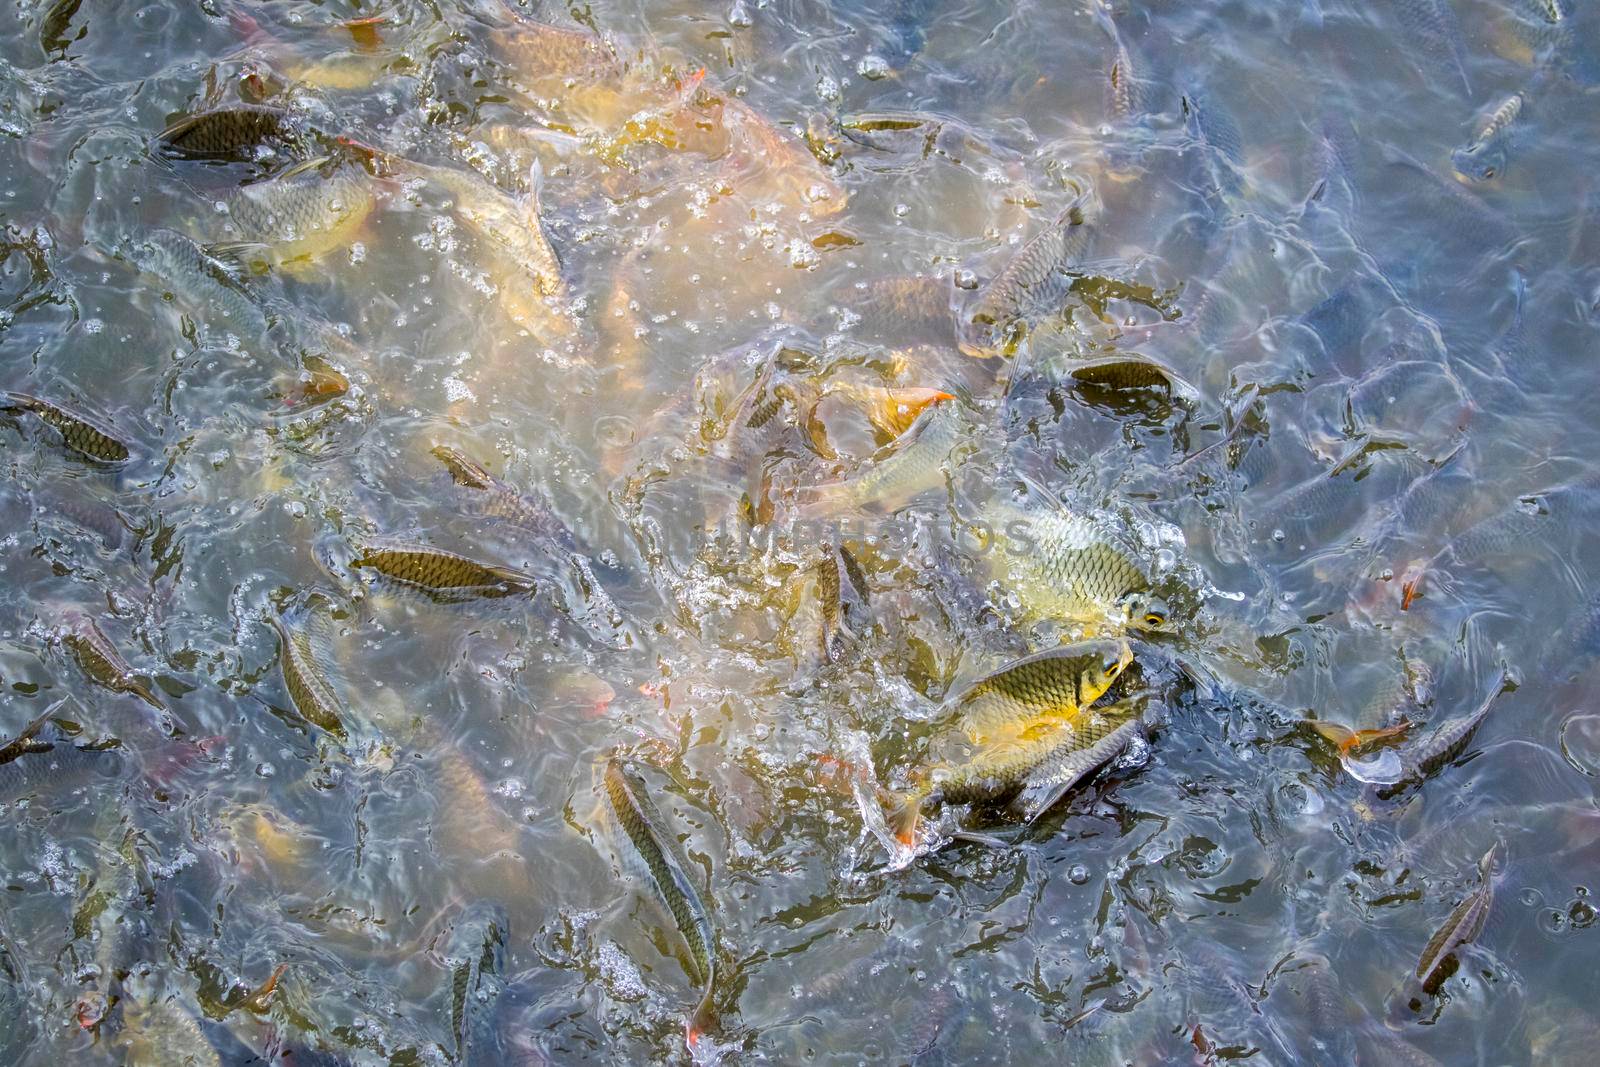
(496, 499)
(100, 660)
(303, 213)
(306, 679)
(1006, 725)
(1058, 683)
(1065, 565)
(232, 132)
(1030, 283)
(78, 431)
(1464, 923)
(436, 571)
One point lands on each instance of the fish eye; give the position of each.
(1113, 664)
(1154, 618)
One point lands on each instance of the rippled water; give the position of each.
(1375, 431)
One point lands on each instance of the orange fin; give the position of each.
(364, 32)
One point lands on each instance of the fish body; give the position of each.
(513, 226)
(82, 433)
(306, 679)
(202, 283)
(162, 1034)
(668, 869)
(304, 213)
(239, 132)
(1069, 567)
(914, 463)
(496, 499)
(1420, 758)
(1033, 282)
(546, 54)
(98, 658)
(1022, 720)
(891, 411)
(475, 954)
(443, 575)
(906, 307)
(1460, 928)
(1432, 26)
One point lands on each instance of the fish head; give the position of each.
(1478, 163)
(1147, 611)
(1102, 663)
(984, 337)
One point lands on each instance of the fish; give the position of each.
(475, 954)
(203, 283)
(1549, 520)
(1033, 282)
(496, 499)
(1023, 719)
(98, 658)
(57, 23)
(306, 678)
(513, 226)
(443, 575)
(1461, 927)
(1321, 1007)
(27, 738)
(237, 132)
(905, 307)
(299, 216)
(162, 1034)
(1483, 157)
(831, 596)
(914, 463)
(778, 161)
(1397, 769)
(668, 869)
(1070, 567)
(81, 433)
(1432, 27)
(551, 54)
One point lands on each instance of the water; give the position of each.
(1383, 395)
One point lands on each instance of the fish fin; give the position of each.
(903, 811)
(825, 501)
(533, 202)
(1336, 734)
(21, 744)
(236, 258)
(703, 1018)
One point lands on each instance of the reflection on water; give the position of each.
(521, 526)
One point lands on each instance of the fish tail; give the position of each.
(1336, 734)
(703, 1019)
(143, 691)
(903, 811)
(819, 502)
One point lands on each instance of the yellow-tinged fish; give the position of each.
(98, 658)
(1023, 720)
(159, 1033)
(304, 213)
(656, 846)
(513, 225)
(915, 462)
(1070, 567)
(443, 575)
(82, 433)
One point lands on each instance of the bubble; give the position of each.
(1077, 874)
(739, 16)
(966, 279)
(902, 210)
(873, 68)
(1279, 536)
(265, 769)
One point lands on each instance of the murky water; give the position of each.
(1352, 246)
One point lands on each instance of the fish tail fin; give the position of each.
(903, 811)
(701, 1021)
(1336, 734)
